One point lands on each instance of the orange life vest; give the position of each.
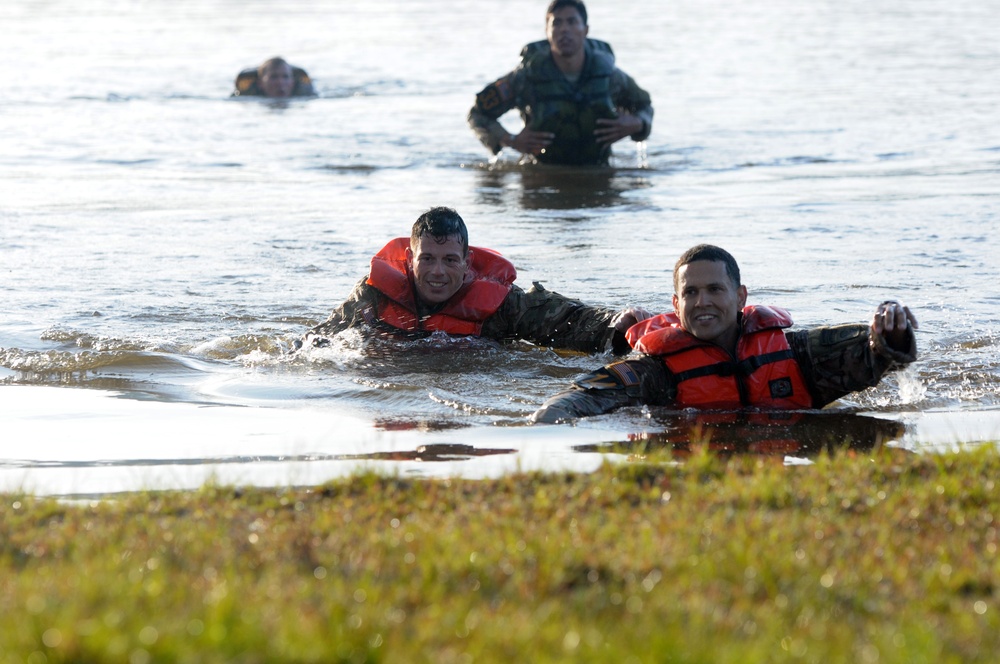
(763, 374)
(487, 283)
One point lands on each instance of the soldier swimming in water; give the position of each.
(715, 352)
(433, 281)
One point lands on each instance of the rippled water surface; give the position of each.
(162, 244)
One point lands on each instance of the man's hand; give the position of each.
(611, 131)
(626, 318)
(530, 141)
(891, 320)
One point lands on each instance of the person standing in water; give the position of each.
(574, 101)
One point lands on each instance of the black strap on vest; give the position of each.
(577, 96)
(743, 367)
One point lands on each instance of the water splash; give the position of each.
(911, 389)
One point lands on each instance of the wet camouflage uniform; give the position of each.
(539, 316)
(835, 361)
(548, 101)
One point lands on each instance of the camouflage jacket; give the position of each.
(537, 81)
(835, 361)
(539, 316)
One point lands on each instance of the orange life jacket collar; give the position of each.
(487, 283)
(764, 372)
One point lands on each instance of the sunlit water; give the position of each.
(163, 245)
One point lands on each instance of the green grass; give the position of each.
(882, 557)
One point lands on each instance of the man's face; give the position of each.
(707, 302)
(277, 81)
(438, 267)
(565, 31)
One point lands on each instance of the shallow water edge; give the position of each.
(86, 443)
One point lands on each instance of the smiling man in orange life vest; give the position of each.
(714, 352)
(433, 281)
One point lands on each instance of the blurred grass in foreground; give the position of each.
(881, 557)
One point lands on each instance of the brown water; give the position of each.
(162, 245)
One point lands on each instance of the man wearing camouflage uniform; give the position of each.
(434, 281)
(714, 352)
(574, 102)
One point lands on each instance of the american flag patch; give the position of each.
(624, 372)
(610, 377)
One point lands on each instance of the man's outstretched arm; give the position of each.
(643, 380)
(547, 318)
(841, 359)
(347, 315)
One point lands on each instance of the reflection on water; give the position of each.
(545, 187)
(169, 244)
(438, 452)
(797, 434)
(431, 452)
(423, 425)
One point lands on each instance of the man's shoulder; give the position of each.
(535, 49)
(514, 300)
(363, 288)
(601, 52)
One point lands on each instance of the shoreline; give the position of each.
(87, 443)
(888, 558)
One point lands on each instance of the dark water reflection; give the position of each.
(423, 425)
(765, 434)
(432, 452)
(542, 187)
(798, 434)
(164, 245)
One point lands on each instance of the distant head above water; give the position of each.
(275, 78)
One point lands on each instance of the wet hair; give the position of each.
(575, 4)
(709, 252)
(440, 223)
(268, 64)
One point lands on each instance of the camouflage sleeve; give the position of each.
(625, 383)
(493, 101)
(627, 94)
(347, 315)
(842, 359)
(547, 318)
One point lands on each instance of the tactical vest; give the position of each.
(247, 85)
(570, 111)
(763, 374)
(487, 283)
